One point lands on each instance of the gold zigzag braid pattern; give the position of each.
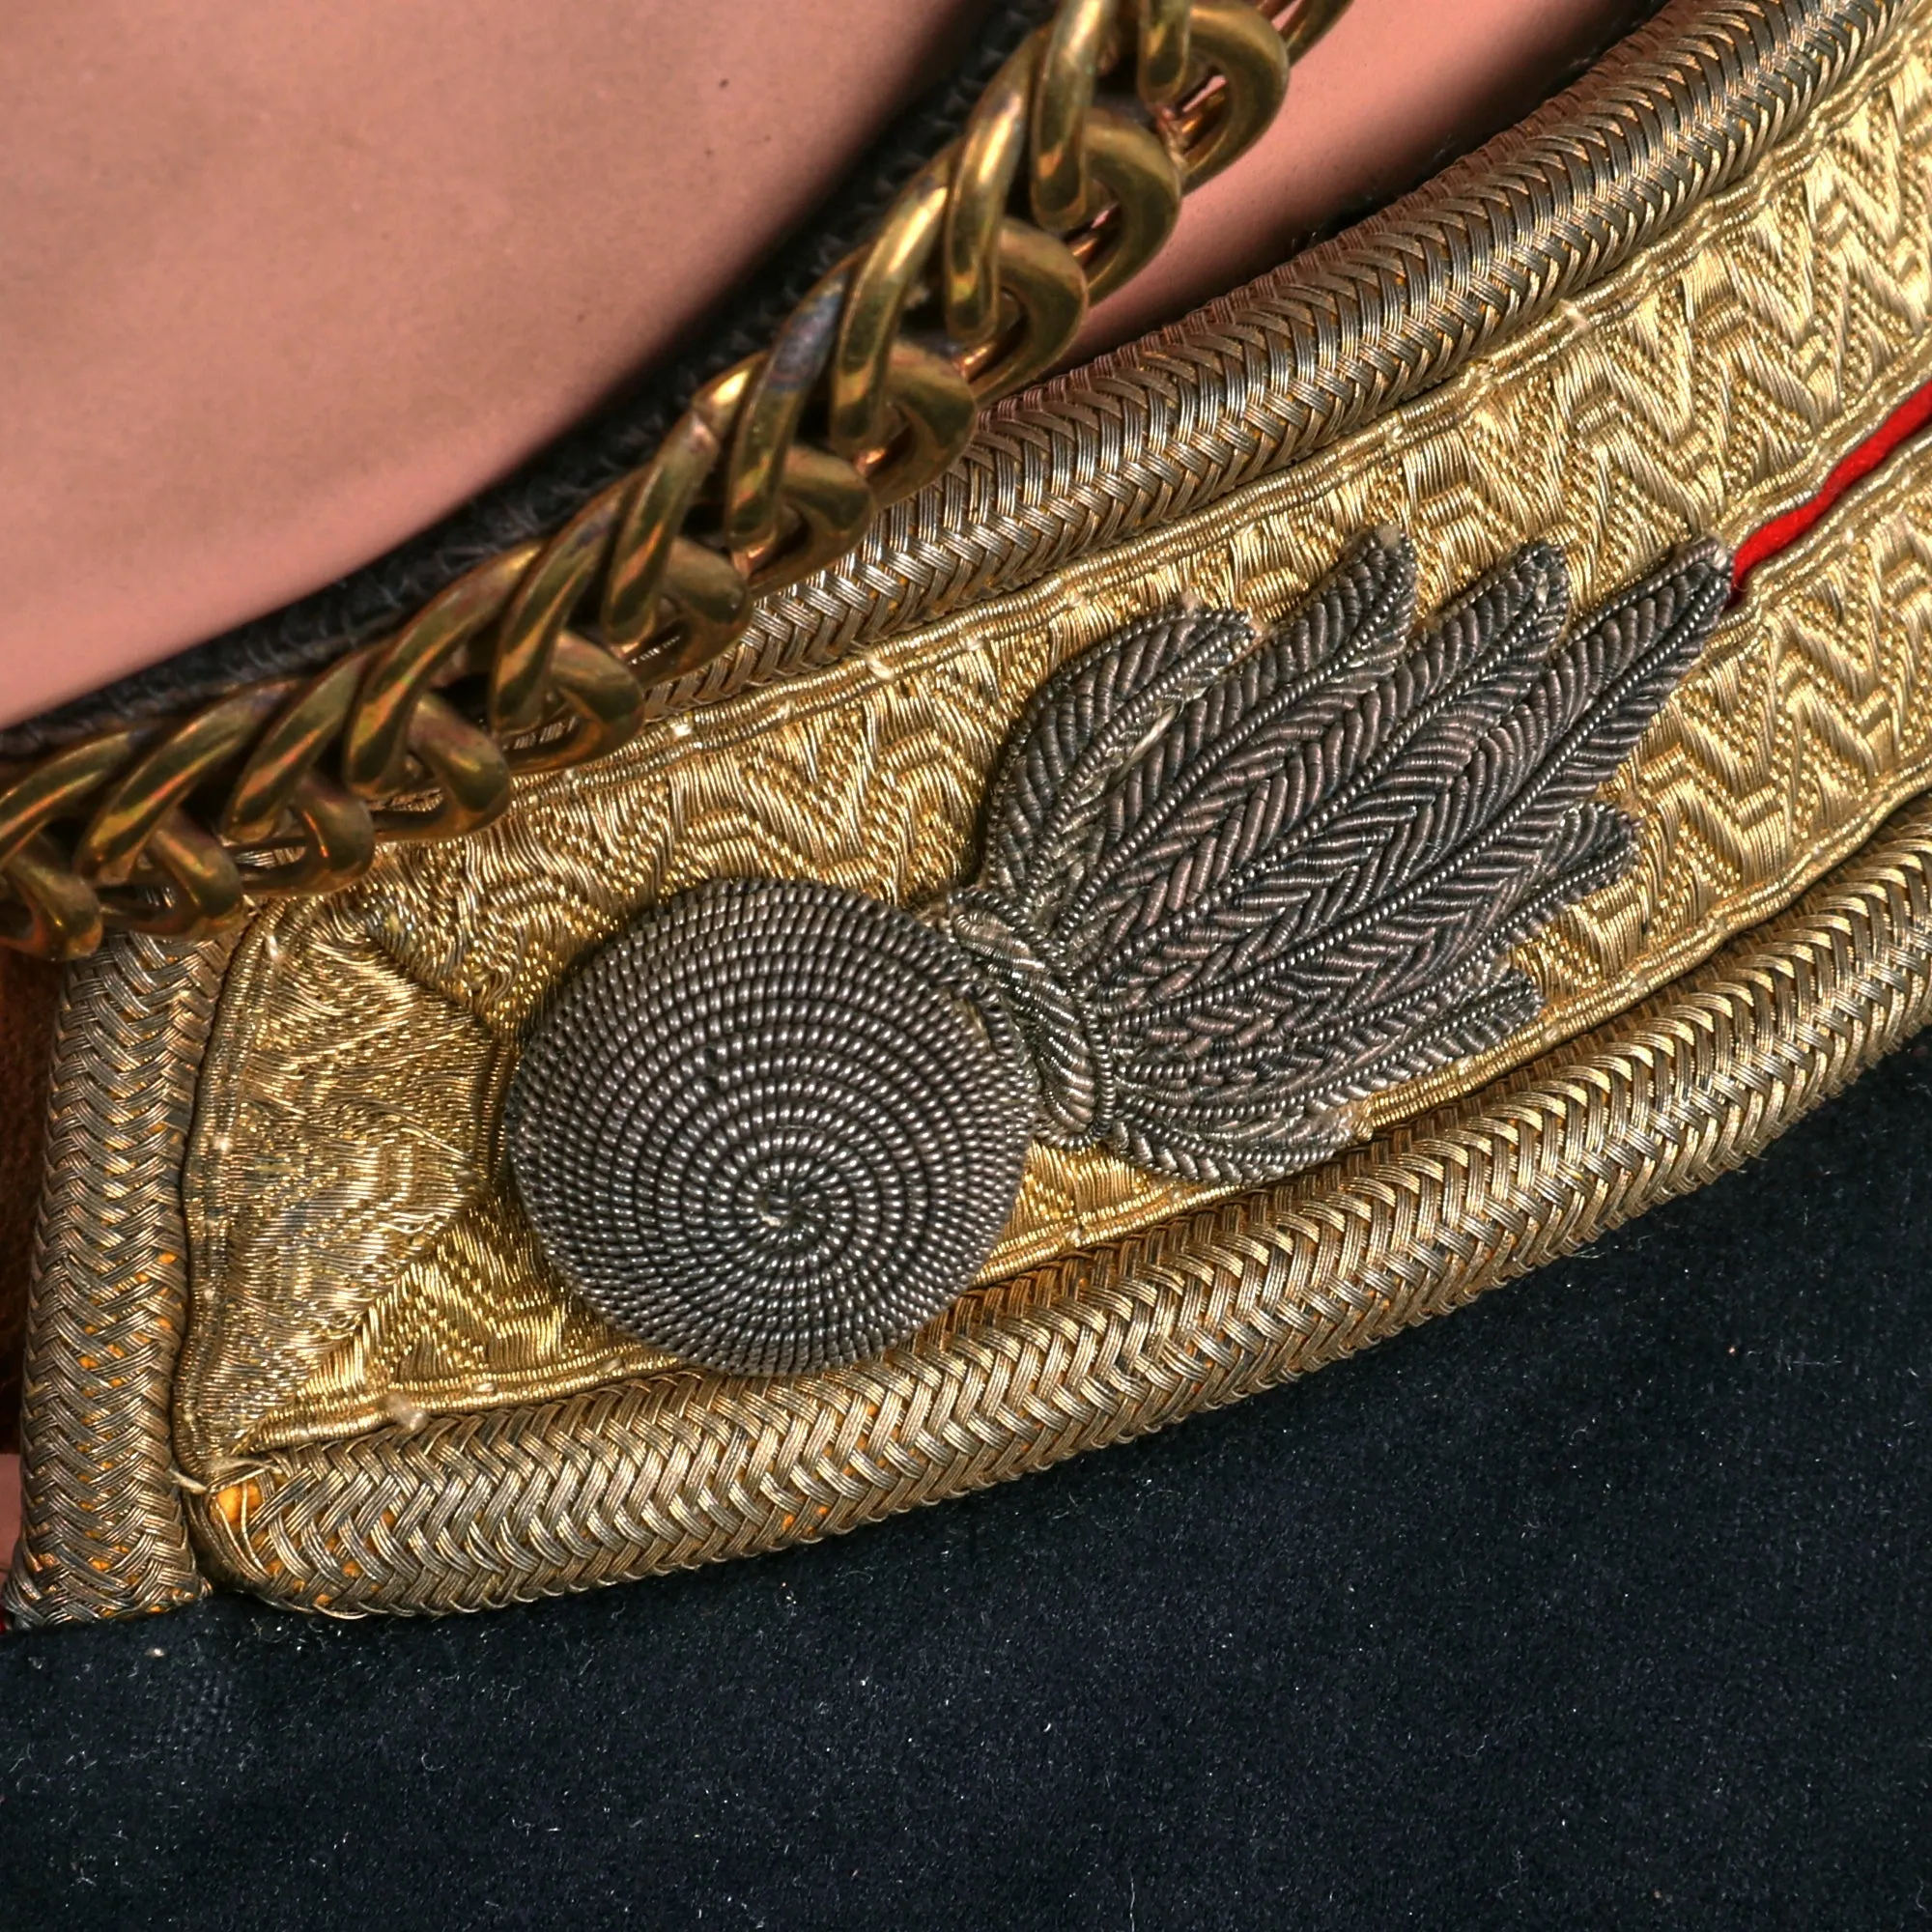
(1066, 182)
(1725, 388)
(468, 1511)
(355, 1071)
(102, 1529)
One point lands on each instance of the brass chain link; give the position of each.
(1064, 183)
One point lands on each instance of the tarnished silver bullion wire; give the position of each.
(767, 1128)
(1231, 886)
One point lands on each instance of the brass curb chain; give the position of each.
(1066, 182)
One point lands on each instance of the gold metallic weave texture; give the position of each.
(29, 997)
(101, 1526)
(1346, 332)
(465, 1512)
(1708, 384)
(357, 1249)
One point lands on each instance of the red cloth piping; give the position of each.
(1904, 422)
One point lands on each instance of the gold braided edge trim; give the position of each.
(101, 1527)
(557, 650)
(97, 1496)
(1340, 335)
(627, 1481)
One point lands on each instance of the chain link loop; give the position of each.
(1064, 183)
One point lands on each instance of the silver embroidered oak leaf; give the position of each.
(1234, 885)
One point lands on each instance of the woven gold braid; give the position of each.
(473, 1510)
(1711, 393)
(1064, 183)
(353, 1079)
(103, 1532)
(1343, 332)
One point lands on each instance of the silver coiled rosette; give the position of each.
(1232, 884)
(770, 1126)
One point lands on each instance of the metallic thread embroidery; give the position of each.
(765, 1130)
(1232, 886)
(442, 1427)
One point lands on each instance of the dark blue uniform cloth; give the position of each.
(1608, 1602)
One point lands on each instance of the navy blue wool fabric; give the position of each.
(1604, 1602)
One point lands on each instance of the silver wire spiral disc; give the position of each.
(768, 1129)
